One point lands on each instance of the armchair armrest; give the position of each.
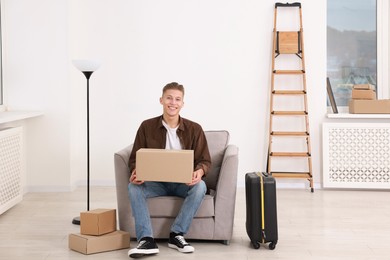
(122, 175)
(226, 193)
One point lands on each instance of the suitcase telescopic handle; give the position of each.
(296, 4)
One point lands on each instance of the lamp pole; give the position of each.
(87, 68)
(88, 75)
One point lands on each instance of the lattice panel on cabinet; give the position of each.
(10, 167)
(356, 155)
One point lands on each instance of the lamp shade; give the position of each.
(86, 65)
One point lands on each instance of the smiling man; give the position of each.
(168, 131)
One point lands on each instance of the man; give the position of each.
(168, 131)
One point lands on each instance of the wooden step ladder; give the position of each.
(285, 45)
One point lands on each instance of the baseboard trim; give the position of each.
(46, 188)
(111, 183)
(70, 188)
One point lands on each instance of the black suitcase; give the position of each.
(261, 217)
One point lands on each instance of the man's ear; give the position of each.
(161, 101)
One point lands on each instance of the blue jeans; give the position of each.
(193, 197)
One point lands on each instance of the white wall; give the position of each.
(219, 50)
(36, 77)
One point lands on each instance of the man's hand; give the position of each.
(196, 177)
(133, 178)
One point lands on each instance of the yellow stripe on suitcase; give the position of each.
(262, 206)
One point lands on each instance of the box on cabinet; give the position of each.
(363, 94)
(381, 106)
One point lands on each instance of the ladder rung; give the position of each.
(289, 154)
(289, 92)
(289, 113)
(290, 133)
(291, 174)
(289, 71)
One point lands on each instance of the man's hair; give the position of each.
(173, 85)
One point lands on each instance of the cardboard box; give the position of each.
(361, 106)
(98, 221)
(165, 165)
(363, 94)
(363, 86)
(87, 244)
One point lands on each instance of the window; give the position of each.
(352, 47)
(1, 67)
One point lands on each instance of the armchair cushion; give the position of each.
(169, 206)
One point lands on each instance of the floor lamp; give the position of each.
(87, 67)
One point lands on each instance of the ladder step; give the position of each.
(291, 174)
(289, 154)
(289, 71)
(289, 113)
(289, 92)
(290, 133)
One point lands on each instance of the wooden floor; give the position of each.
(325, 224)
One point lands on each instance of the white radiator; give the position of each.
(356, 155)
(10, 167)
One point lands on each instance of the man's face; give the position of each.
(172, 102)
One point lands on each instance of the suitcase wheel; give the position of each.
(272, 245)
(255, 244)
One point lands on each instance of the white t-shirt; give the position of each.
(173, 141)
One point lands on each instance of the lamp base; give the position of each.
(76, 221)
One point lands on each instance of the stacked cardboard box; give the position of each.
(98, 233)
(363, 91)
(364, 101)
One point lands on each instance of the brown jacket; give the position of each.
(152, 134)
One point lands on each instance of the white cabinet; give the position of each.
(356, 155)
(10, 167)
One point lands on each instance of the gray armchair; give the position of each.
(214, 219)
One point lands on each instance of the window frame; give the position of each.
(383, 88)
(382, 27)
(2, 91)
